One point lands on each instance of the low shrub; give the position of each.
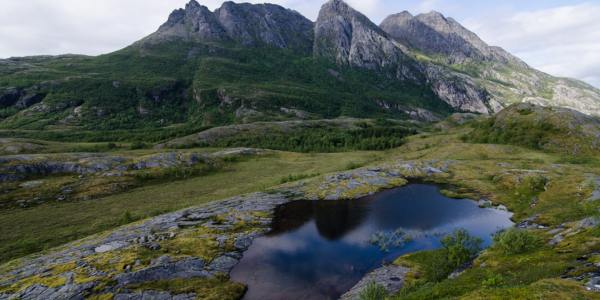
(516, 241)
(460, 247)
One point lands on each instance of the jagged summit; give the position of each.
(350, 38)
(247, 24)
(433, 33)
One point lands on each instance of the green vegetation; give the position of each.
(460, 248)
(25, 231)
(373, 291)
(199, 84)
(534, 136)
(516, 241)
(551, 188)
(540, 128)
(297, 177)
(217, 288)
(321, 140)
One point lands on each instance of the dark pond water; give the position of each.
(320, 249)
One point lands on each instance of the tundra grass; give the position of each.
(532, 184)
(25, 231)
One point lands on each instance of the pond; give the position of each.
(320, 249)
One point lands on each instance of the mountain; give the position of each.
(442, 41)
(434, 34)
(244, 63)
(246, 24)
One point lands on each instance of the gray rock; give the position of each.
(390, 277)
(110, 247)
(222, 264)
(593, 284)
(153, 295)
(589, 222)
(186, 268)
(347, 37)
(435, 34)
(243, 243)
(247, 24)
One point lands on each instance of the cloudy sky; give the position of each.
(561, 37)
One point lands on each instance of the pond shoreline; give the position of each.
(87, 267)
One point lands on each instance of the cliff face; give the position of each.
(350, 38)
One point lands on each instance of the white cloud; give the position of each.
(563, 41)
(29, 27)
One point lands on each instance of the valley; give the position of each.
(250, 153)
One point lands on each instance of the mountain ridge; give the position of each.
(202, 66)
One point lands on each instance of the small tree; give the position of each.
(461, 247)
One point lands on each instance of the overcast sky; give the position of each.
(561, 37)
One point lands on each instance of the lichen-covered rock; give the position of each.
(182, 269)
(367, 181)
(112, 260)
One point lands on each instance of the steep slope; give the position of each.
(440, 41)
(435, 34)
(348, 37)
(242, 63)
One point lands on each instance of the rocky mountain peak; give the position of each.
(248, 24)
(348, 37)
(195, 22)
(266, 24)
(433, 33)
(193, 4)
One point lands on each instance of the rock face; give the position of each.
(266, 24)
(350, 38)
(193, 22)
(250, 25)
(428, 50)
(433, 33)
(19, 98)
(390, 277)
